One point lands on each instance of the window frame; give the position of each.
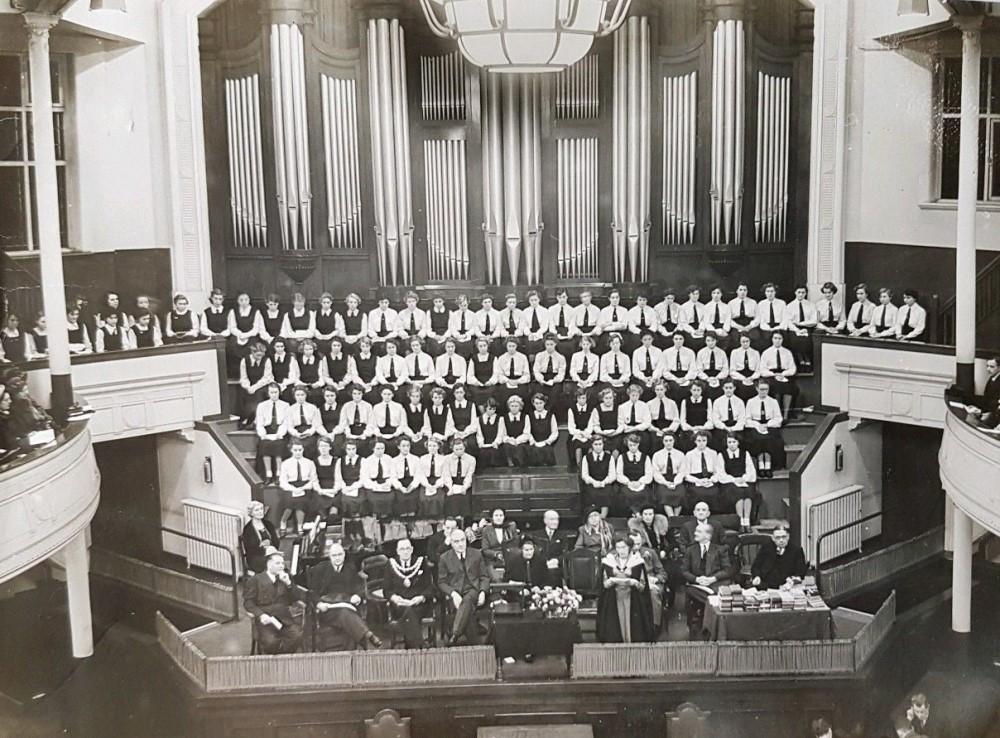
(62, 64)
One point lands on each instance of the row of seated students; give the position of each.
(110, 327)
(458, 567)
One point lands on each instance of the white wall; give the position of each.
(180, 460)
(862, 465)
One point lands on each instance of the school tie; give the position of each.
(711, 361)
(534, 320)
(548, 370)
(488, 331)
(858, 316)
(678, 368)
(642, 319)
(510, 323)
(274, 413)
(614, 315)
(406, 468)
(802, 312)
(379, 476)
(298, 471)
(772, 321)
(382, 330)
(761, 411)
(659, 409)
(385, 423)
(631, 420)
(433, 476)
(586, 366)
(561, 325)
(461, 322)
(649, 363)
(615, 373)
(357, 415)
(743, 309)
(906, 319)
(450, 376)
(829, 312)
(730, 419)
(718, 318)
(697, 315)
(458, 470)
(392, 371)
(413, 322)
(704, 463)
(778, 368)
(881, 320)
(586, 320)
(670, 466)
(510, 368)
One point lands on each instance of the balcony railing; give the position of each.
(970, 464)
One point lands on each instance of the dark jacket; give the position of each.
(254, 547)
(491, 547)
(452, 576)
(329, 585)
(260, 596)
(687, 532)
(991, 395)
(421, 582)
(437, 544)
(516, 570)
(773, 570)
(716, 564)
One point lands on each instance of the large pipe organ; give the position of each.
(347, 146)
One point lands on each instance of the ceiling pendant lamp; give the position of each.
(524, 35)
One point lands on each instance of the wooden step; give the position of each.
(244, 440)
(797, 432)
(773, 491)
(792, 451)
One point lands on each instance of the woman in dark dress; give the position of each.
(13, 340)
(624, 607)
(257, 535)
(490, 453)
(326, 474)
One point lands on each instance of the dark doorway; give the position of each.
(128, 517)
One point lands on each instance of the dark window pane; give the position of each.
(984, 84)
(995, 85)
(11, 145)
(995, 183)
(57, 124)
(949, 158)
(952, 85)
(980, 188)
(34, 204)
(13, 230)
(56, 81)
(10, 80)
(63, 228)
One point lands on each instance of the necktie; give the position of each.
(586, 319)
(906, 319)
(413, 322)
(859, 315)
(527, 572)
(357, 415)
(642, 319)
(382, 330)
(631, 420)
(670, 466)
(772, 321)
(697, 315)
(459, 473)
(450, 376)
(802, 312)
(659, 409)
(298, 409)
(406, 468)
(730, 419)
(678, 369)
(615, 373)
(704, 550)
(274, 414)
(461, 322)
(586, 366)
(548, 370)
(718, 318)
(298, 471)
(614, 315)
(704, 463)
(829, 312)
(881, 320)
(743, 309)
(379, 475)
(562, 320)
(433, 476)
(392, 370)
(777, 361)
(649, 363)
(510, 368)
(711, 361)
(534, 320)
(510, 322)
(761, 411)
(488, 331)
(385, 424)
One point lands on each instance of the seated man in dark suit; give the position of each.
(409, 589)
(268, 597)
(336, 588)
(702, 514)
(440, 541)
(705, 567)
(550, 547)
(777, 561)
(525, 566)
(464, 579)
(919, 717)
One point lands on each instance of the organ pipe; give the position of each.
(576, 183)
(246, 177)
(340, 145)
(728, 65)
(679, 111)
(771, 196)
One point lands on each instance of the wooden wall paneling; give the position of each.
(679, 24)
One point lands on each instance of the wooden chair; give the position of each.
(687, 721)
(373, 573)
(387, 724)
(582, 569)
(746, 551)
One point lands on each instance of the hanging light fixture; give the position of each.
(524, 35)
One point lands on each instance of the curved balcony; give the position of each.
(47, 498)
(970, 465)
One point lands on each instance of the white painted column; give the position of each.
(827, 155)
(968, 177)
(47, 203)
(961, 571)
(78, 594)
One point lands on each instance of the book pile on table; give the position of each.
(734, 598)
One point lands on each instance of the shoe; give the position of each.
(452, 641)
(374, 640)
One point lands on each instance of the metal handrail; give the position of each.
(229, 550)
(838, 529)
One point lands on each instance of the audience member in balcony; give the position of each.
(516, 432)
(512, 372)
(777, 561)
(272, 318)
(669, 469)
(523, 564)
(702, 465)
(693, 318)
(551, 546)
(634, 474)
(312, 370)
(883, 323)
(376, 482)
(111, 305)
(464, 579)
(696, 416)
(462, 327)
(911, 318)
(79, 336)
(728, 416)
(634, 417)
(991, 389)
(355, 420)
(382, 322)
(534, 325)
(298, 482)
(743, 316)
(13, 341)
(438, 327)
(284, 369)
(182, 323)
(640, 318)
(624, 606)
(578, 432)
(146, 304)
(258, 535)
(645, 359)
(449, 368)
(596, 533)
(244, 326)
(598, 472)
(8, 441)
(489, 440)
(325, 498)
(388, 419)
(433, 469)
(350, 500)
(111, 336)
(337, 590)
(303, 422)
(584, 368)
(298, 323)
(37, 339)
(604, 422)
(679, 367)
(821, 728)
(479, 375)
(763, 436)
(460, 468)
(800, 322)
(499, 536)
(778, 365)
(717, 321)
(859, 317)
(325, 324)
(271, 423)
(268, 597)
(407, 481)
(145, 334)
(215, 320)
(544, 433)
(86, 316)
(705, 567)
(390, 369)
(668, 316)
(615, 368)
(738, 479)
(656, 577)
(340, 370)
(409, 589)
(830, 318)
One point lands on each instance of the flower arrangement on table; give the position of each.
(554, 602)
